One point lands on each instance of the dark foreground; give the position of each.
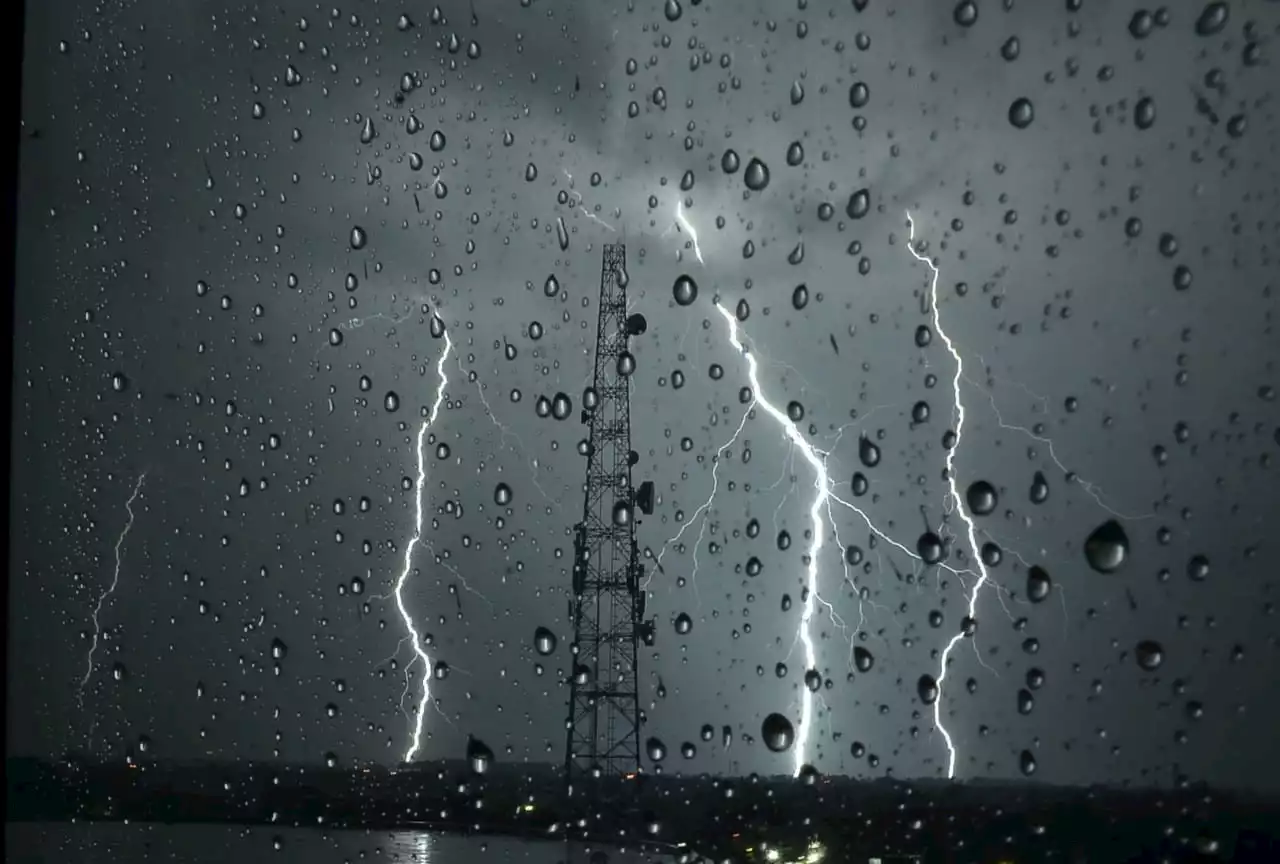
(769, 820)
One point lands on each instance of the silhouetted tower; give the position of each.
(607, 605)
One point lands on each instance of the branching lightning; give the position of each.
(115, 580)
(682, 224)
(505, 432)
(957, 500)
(419, 650)
(702, 509)
(583, 210)
(823, 485)
(820, 511)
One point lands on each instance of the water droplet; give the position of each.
(502, 495)
(868, 452)
(1026, 763)
(621, 514)
(707, 732)
(544, 641)
(965, 13)
(1107, 548)
(683, 623)
(756, 176)
(685, 290)
(1144, 113)
(672, 10)
(1212, 19)
(358, 237)
(119, 382)
(927, 689)
(859, 95)
(562, 234)
(1039, 489)
(479, 756)
(279, 650)
(795, 153)
(729, 162)
(1038, 585)
(800, 297)
(551, 287)
(1149, 654)
(982, 498)
(1198, 568)
(1021, 113)
(930, 548)
(863, 659)
(561, 406)
(1141, 24)
(777, 732)
(391, 402)
(118, 671)
(859, 204)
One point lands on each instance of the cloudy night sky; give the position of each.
(237, 224)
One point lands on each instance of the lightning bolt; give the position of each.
(419, 651)
(504, 431)
(956, 499)
(823, 485)
(706, 505)
(115, 580)
(683, 224)
(823, 502)
(578, 204)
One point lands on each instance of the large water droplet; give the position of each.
(863, 659)
(479, 756)
(1038, 585)
(1212, 19)
(684, 290)
(777, 732)
(1149, 654)
(544, 641)
(982, 498)
(868, 452)
(927, 689)
(859, 204)
(358, 237)
(756, 176)
(930, 548)
(1107, 548)
(1021, 113)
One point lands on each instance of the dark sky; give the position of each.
(191, 178)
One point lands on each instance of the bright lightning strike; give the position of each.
(683, 222)
(823, 485)
(970, 528)
(115, 580)
(419, 651)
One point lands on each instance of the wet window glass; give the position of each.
(618, 429)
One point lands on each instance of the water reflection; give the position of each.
(215, 844)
